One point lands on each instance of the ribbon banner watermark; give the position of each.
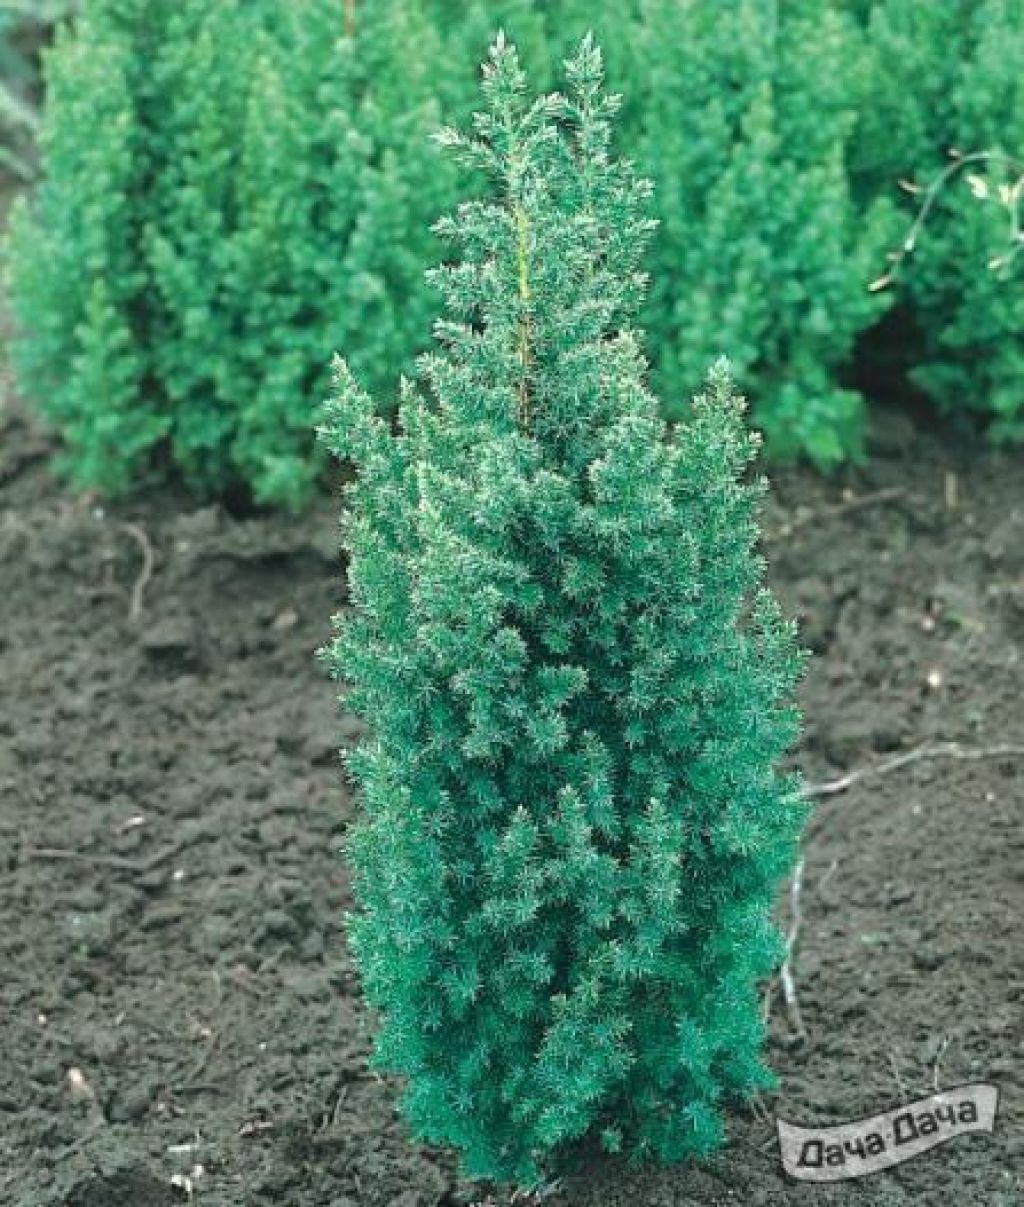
(865, 1146)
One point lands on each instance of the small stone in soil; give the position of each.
(131, 1102)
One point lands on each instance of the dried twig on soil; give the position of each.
(138, 534)
(538, 1195)
(940, 750)
(786, 972)
(951, 490)
(188, 1080)
(901, 1088)
(832, 867)
(118, 862)
(938, 1062)
(855, 503)
(786, 976)
(760, 1112)
(254, 1127)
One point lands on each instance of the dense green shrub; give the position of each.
(249, 187)
(763, 255)
(948, 76)
(78, 284)
(334, 165)
(177, 282)
(234, 191)
(576, 686)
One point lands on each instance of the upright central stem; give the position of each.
(525, 330)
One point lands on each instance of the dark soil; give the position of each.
(177, 999)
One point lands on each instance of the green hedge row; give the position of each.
(234, 192)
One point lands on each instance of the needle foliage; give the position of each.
(577, 686)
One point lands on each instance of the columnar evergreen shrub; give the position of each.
(576, 686)
(210, 64)
(335, 188)
(942, 77)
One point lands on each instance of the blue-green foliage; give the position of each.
(942, 77)
(577, 687)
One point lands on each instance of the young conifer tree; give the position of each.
(576, 686)
(75, 277)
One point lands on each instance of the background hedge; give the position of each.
(235, 192)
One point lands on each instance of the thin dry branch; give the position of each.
(938, 1063)
(117, 862)
(138, 534)
(786, 976)
(931, 195)
(940, 750)
(856, 503)
(894, 1065)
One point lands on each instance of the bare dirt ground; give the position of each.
(179, 1012)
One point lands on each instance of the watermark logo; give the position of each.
(865, 1146)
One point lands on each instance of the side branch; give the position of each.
(942, 750)
(931, 195)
